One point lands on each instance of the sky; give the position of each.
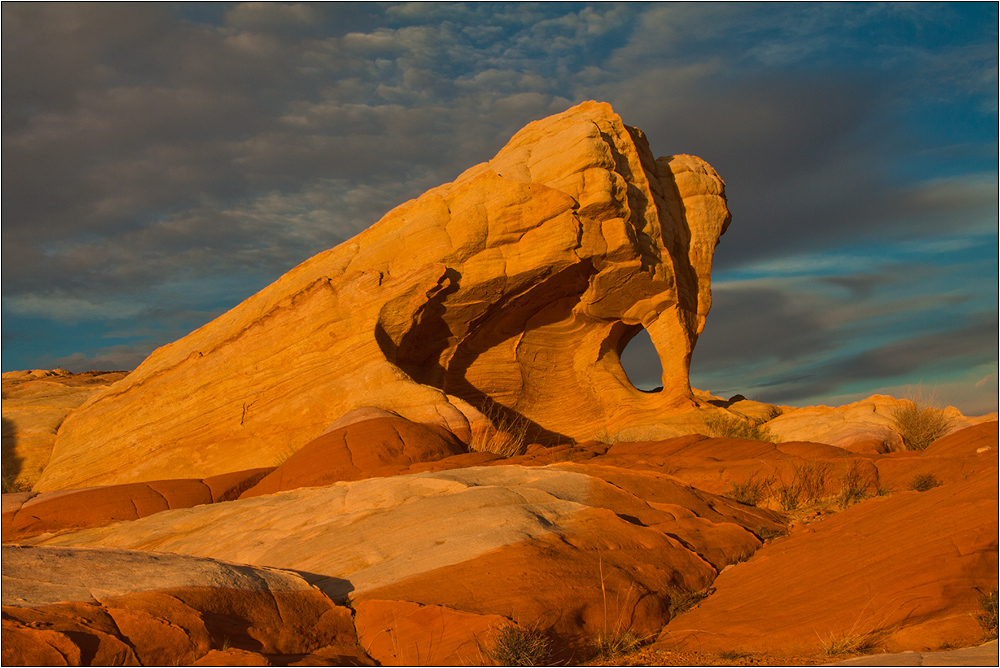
(164, 161)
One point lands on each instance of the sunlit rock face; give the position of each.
(512, 290)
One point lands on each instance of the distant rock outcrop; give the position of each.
(512, 290)
(34, 405)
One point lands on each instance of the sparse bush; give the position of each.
(682, 600)
(810, 478)
(919, 423)
(787, 496)
(606, 437)
(733, 426)
(613, 644)
(751, 491)
(988, 616)
(508, 438)
(515, 645)
(854, 485)
(924, 482)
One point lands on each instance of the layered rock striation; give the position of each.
(510, 291)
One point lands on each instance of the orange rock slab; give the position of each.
(907, 569)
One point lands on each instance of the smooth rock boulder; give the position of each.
(511, 291)
(359, 450)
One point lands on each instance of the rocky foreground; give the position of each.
(420, 448)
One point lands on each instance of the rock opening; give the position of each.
(642, 363)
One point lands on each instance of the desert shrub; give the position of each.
(918, 423)
(613, 644)
(515, 645)
(733, 426)
(988, 613)
(924, 482)
(854, 485)
(682, 600)
(787, 496)
(751, 491)
(606, 437)
(508, 438)
(810, 477)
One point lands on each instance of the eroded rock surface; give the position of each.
(512, 290)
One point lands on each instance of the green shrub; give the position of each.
(734, 426)
(988, 613)
(751, 491)
(515, 645)
(919, 424)
(924, 482)
(613, 644)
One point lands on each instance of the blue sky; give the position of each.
(164, 161)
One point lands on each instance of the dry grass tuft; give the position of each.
(919, 422)
(613, 644)
(810, 478)
(734, 426)
(508, 438)
(751, 491)
(853, 643)
(854, 485)
(515, 645)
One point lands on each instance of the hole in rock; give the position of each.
(642, 363)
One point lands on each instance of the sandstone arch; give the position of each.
(517, 285)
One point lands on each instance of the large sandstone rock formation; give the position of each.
(513, 290)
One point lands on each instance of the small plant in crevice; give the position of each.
(507, 438)
(735, 426)
(987, 616)
(924, 482)
(854, 485)
(767, 533)
(752, 491)
(918, 422)
(682, 600)
(515, 645)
